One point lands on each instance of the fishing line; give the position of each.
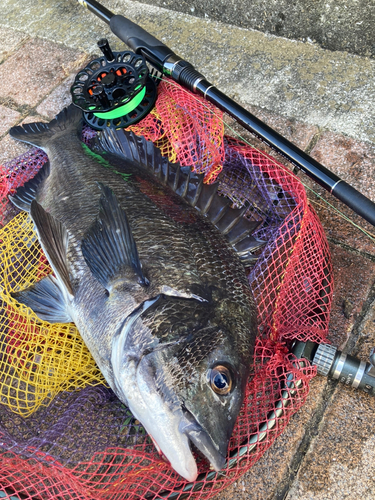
(339, 213)
(280, 165)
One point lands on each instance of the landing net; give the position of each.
(63, 433)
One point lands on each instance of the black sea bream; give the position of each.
(157, 292)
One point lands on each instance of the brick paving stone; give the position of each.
(9, 149)
(30, 74)
(354, 276)
(354, 162)
(8, 117)
(340, 463)
(11, 39)
(351, 160)
(366, 336)
(336, 227)
(58, 99)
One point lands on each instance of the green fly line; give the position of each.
(99, 158)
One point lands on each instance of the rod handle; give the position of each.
(140, 41)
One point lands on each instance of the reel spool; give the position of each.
(115, 90)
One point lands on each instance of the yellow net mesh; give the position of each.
(38, 359)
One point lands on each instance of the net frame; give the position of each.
(291, 283)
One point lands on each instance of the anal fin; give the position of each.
(46, 299)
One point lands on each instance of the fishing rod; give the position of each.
(170, 64)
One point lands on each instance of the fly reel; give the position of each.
(114, 90)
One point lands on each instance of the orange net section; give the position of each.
(63, 433)
(189, 131)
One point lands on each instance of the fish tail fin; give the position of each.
(39, 134)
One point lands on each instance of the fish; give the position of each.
(149, 263)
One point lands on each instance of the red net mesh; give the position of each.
(84, 443)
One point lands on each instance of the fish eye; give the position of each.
(221, 380)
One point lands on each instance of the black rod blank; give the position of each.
(170, 64)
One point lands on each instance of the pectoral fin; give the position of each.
(46, 299)
(109, 247)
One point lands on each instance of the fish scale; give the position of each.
(145, 271)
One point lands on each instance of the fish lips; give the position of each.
(171, 429)
(136, 387)
(202, 440)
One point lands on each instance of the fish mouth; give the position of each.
(172, 428)
(201, 440)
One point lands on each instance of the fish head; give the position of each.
(183, 375)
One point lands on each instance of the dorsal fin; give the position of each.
(25, 194)
(53, 238)
(109, 246)
(183, 181)
(187, 184)
(246, 247)
(230, 219)
(240, 230)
